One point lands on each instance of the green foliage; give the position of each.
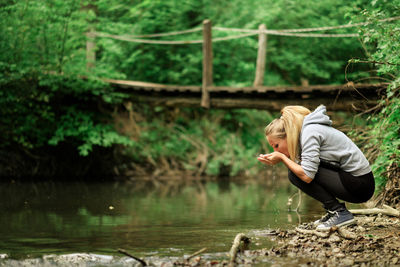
(217, 142)
(44, 99)
(382, 42)
(49, 97)
(385, 136)
(289, 59)
(80, 126)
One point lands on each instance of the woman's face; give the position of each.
(278, 144)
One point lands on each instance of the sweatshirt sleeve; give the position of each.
(311, 141)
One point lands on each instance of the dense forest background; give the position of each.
(53, 122)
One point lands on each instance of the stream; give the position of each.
(168, 218)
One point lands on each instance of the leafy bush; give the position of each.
(381, 41)
(216, 142)
(44, 99)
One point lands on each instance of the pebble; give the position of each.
(334, 238)
(348, 262)
(360, 228)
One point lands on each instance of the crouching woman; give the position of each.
(322, 161)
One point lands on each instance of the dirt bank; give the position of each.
(372, 241)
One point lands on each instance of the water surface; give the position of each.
(163, 218)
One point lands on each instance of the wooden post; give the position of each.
(207, 64)
(90, 50)
(261, 55)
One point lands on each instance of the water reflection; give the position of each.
(164, 217)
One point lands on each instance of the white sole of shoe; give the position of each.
(338, 225)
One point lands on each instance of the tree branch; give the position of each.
(373, 62)
(133, 257)
(387, 210)
(235, 247)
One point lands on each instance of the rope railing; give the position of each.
(147, 41)
(144, 41)
(287, 32)
(247, 33)
(340, 26)
(318, 35)
(219, 39)
(166, 33)
(308, 29)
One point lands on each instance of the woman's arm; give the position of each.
(276, 157)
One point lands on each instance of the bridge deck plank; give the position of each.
(335, 97)
(145, 86)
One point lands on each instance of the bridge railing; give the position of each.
(207, 40)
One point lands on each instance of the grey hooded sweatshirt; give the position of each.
(319, 141)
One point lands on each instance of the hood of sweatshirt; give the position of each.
(319, 141)
(318, 116)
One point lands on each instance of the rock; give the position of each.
(334, 238)
(348, 262)
(292, 255)
(360, 228)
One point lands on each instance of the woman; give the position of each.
(322, 161)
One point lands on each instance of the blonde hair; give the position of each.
(289, 126)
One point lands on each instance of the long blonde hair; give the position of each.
(289, 126)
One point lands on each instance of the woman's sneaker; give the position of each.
(326, 217)
(339, 218)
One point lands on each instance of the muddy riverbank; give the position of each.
(372, 241)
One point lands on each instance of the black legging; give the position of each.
(330, 184)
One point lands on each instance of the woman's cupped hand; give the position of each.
(270, 159)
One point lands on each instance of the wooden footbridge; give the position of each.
(349, 96)
(335, 97)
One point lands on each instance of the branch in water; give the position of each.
(123, 251)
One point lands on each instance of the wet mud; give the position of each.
(371, 241)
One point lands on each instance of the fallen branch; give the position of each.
(290, 201)
(235, 246)
(313, 232)
(196, 253)
(340, 230)
(345, 233)
(353, 60)
(123, 251)
(387, 210)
